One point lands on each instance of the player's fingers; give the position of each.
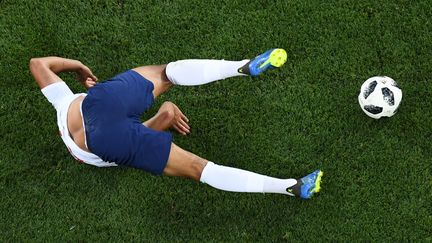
(184, 124)
(91, 75)
(179, 130)
(182, 127)
(89, 83)
(184, 118)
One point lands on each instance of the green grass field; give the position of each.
(377, 183)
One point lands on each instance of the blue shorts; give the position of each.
(114, 132)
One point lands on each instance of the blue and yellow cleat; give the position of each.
(270, 59)
(308, 185)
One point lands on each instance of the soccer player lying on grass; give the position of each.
(103, 127)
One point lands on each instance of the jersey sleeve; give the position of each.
(56, 92)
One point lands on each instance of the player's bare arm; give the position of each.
(45, 70)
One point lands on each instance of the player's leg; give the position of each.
(155, 74)
(199, 71)
(186, 164)
(202, 71)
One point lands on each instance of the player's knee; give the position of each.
(197, 168)
(164, 76)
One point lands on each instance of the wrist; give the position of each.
(80, 66)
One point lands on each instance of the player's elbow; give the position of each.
(35, 64)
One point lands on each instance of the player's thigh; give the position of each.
(184, 163)
(155, 74)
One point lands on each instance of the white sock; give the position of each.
(202, 71)
(237, 180)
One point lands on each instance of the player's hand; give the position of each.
(86, 77)
(88, 83)
(180, 122)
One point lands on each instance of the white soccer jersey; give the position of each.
(60, 96)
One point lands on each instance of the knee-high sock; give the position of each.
(237, 180)
(202, 71)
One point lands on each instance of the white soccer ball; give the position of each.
(380, 96)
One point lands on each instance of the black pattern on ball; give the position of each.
(388, 96)
(370, 89)
(373, 109)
